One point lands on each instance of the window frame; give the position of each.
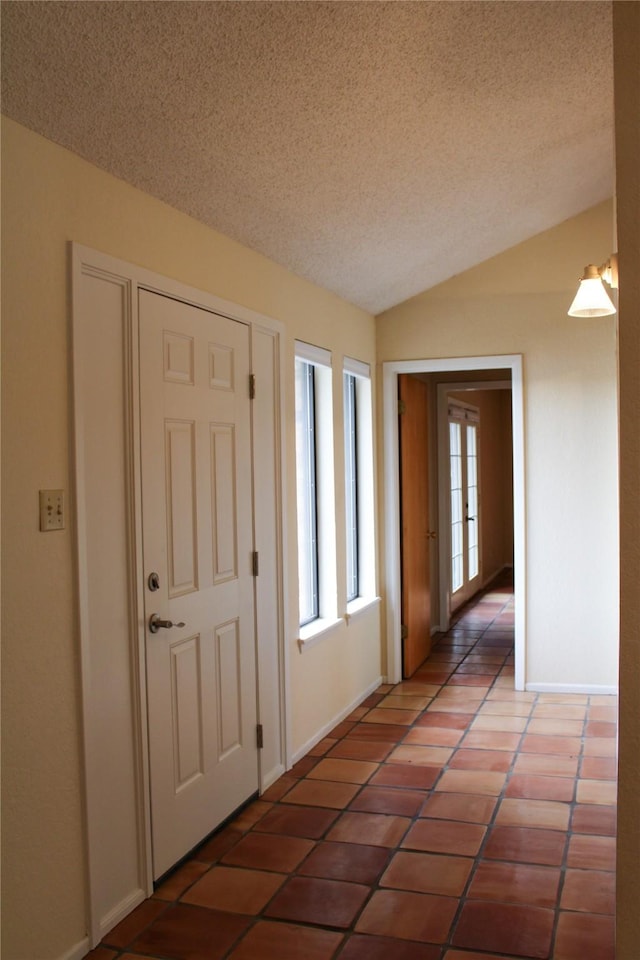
(365, 494)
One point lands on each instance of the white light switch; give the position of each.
(52, 510)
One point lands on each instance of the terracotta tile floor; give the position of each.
(447, 818)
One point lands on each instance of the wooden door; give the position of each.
(415, 549)
(197, 540)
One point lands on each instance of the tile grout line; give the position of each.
(504, 670)
(461, 899)
(479, 858)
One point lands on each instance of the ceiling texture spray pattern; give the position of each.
(376, 148)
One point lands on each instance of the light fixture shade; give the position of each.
(591, 300)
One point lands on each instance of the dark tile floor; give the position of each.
(447, 818)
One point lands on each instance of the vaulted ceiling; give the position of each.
(376, 148)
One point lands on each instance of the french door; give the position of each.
(464, 450)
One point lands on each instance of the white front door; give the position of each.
(197, 548)
(465, 502)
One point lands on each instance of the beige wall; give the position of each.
(496, 481)
(627, 90)
(50, 197)
(516, 303)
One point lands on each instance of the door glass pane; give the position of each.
(472, 502)
(457, 521)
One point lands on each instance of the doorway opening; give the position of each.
(455, 376)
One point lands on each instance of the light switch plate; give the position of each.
(51, 510)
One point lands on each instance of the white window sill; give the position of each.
(359, 606)
(316, 631)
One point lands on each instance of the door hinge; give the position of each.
(252, 386)
(259, 736)
(402, 407)
(255, 563)
(404, 631)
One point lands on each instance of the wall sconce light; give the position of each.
(592, 300)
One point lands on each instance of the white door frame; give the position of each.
(390, 372)
(119, 874)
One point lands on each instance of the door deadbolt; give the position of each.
(153, 582)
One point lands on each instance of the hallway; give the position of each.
(447, 818)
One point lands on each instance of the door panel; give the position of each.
(186, 710)
(181, 507)
(414, 492)
(197, 535)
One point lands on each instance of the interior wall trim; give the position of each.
(589, 689)
(76, 952)
(106, 340)
(322, 733)
(390, 372)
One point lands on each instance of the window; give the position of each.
(306, 492)
(315, 489)
(351, 484)
(359, 502)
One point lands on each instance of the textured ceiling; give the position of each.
(376, 148)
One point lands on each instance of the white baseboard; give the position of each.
(78, 952)
(106, 924)
(592, 689)
(321, 734)
(496, 573)
(120, 911)
(271, 776)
